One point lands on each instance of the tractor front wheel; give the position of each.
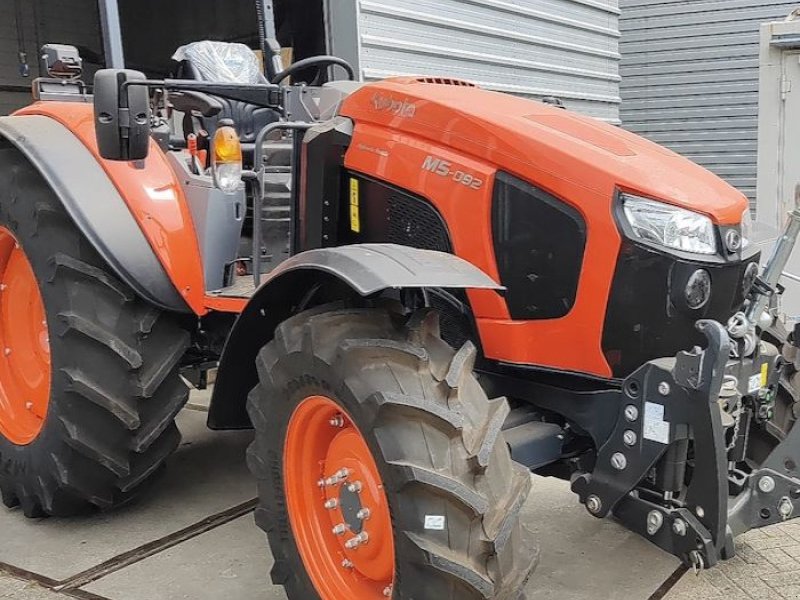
(89, 383)
(381, 465)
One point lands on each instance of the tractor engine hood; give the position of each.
(530, 138)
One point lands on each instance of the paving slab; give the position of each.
(584, 557)
(766, 567)
(206, 475)
(231, 561)
(18, 589)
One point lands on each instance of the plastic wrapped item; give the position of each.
(222, 61)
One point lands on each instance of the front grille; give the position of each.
(647, 315)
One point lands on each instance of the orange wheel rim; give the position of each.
(24, 346)
(337, 505)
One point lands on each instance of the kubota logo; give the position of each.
(400, 108)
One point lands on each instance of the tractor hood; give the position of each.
(542, 143)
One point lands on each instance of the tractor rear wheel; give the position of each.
(381, 465)
(89, 383)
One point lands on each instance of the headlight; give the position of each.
(698, 289)
(669, 226)
(747, 228)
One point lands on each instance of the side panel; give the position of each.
(153, 196)
(94, 204)
(570, 343)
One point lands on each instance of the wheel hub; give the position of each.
(25, 343)
(337, 505)
(351, 508)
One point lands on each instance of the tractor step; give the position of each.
(532, 442)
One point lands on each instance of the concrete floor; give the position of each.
(193, 537)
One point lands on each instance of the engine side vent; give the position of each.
(446, 81)
(414, 222)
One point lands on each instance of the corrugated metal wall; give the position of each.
(690, 78)
(565, 48)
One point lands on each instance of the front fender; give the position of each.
(364, 269)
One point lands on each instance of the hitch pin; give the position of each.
(698, 564)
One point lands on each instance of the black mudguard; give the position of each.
(95, 205)
(362, 269)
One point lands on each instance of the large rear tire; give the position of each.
(108, 425)
(443, 495)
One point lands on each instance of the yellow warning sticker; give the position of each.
(355, 217)
(764, 374)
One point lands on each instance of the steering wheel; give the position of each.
(315, 61)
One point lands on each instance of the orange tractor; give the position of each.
(367, 265)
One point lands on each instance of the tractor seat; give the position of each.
(224, 62)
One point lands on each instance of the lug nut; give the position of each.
(363, 514)
(337, 477)
(354, 487)
(663, 388)
(629, 437)
(331, 504)
(29, 405)
(766, 484)
(631, 412)
(339, 529)
(618, 461)
(679, 527)
(337, 421)
(347, 564)
(593, 504)
(387, 591)
(355, 542)
(7, 351)
(654, 521)
(700, 512)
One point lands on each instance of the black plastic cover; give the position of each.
(121, 115)
(539, 243)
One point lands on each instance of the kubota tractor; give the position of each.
(369, 264)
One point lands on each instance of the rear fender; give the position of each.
(362, 269)
(95, 205)
(150, 191)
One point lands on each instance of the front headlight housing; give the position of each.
(669, 226)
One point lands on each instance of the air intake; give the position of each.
(446, 81)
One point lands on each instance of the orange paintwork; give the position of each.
(314, 450)
(229, 304)
(153, 195)
(24, 346)
(400, 122)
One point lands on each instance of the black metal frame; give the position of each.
(699, 519)
(259, 94)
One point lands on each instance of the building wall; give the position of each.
(535, 48)
(73, 22)
(690, 78)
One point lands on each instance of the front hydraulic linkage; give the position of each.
(663, 472)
